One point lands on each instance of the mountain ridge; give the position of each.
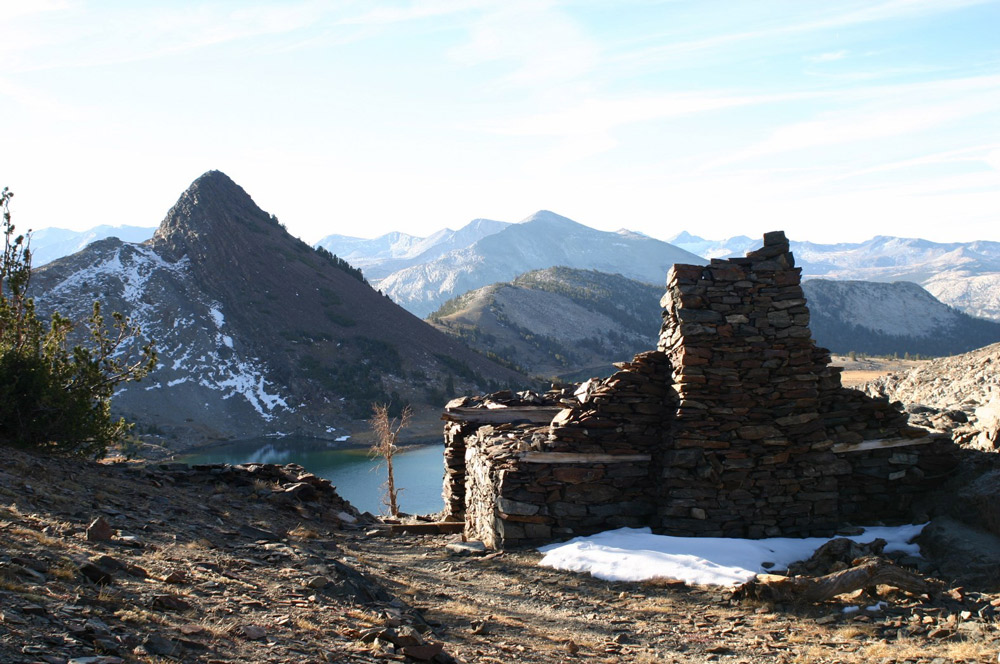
(273, 335)
(544, 239)
(573, 324)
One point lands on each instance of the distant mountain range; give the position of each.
(422, 272)
(543, 240)
(965, 275)
(572, 324)
(48, 244)
(257, 332)
(382, 256)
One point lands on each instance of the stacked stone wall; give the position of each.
(735, 426)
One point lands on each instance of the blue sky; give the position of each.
(833, 120)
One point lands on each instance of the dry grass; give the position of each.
(64, 570)
(302, 532)
(364, 617)
(10, 583)
(39, 537)
(911, 647)
(849, 632)
(140, 616)
(306, 625)
(264, 486)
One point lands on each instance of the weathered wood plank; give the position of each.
(535, 414)
(881, 444)
(571, 457)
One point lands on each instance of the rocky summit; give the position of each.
(256, 331)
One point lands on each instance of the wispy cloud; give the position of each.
(871, 114)
(80, 37)
(811, 18)
(831, 56)
(985, 155)
(11, 9)
(542, 44)
(595, 115)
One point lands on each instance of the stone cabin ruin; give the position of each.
(736, 425)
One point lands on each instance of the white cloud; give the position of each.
(542, 44)
(878, 113)
(831, 56)
(810, 18)
(11, 9)
(597, 115)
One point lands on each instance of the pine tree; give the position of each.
(53, 397)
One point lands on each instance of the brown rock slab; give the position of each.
(100, 530)
(424, 653)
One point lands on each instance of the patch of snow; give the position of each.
(634, 554)
(247, 380)
(227, 340)
(179, 361)
(217, 316)
(851, 609)
(341, 439)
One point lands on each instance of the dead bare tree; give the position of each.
(386, 431)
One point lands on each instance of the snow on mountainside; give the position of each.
(543, 240)
(190, 331)
(381, 256)
(257, 333)
(48, 244)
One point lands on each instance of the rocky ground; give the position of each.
(101, 564)
(958, 394)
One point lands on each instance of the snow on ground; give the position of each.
(635, 554)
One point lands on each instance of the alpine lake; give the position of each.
(418, 469)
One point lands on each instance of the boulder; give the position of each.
(963, 554)
(980, 503)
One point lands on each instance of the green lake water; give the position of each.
(418, 470)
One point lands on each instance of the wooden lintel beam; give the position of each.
(572, 457)
(534, 414)
(881, 444)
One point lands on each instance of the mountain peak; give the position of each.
(548, 217)
(213, 207)
(684, 236)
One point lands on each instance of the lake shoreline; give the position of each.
(345, 445)
(358, 475)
